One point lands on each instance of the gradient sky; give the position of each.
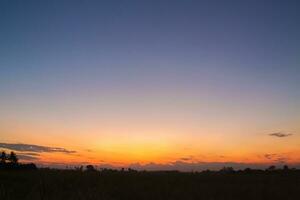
(139, 82)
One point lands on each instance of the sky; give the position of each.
(151, 84)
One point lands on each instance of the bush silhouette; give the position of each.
(271, 168)
(3, 157)
(90, 168)
(13, 158)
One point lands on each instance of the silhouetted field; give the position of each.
(45, 184)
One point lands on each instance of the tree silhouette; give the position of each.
(13, 163)
(3, 157)
(90, 168)
(227, 170)
(271, 168)
(13, 158)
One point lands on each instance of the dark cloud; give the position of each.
(34, 148)
(279, 134)
(281, 160)
(188, 158)
(276, 158)
(30, 154)
(26, 157)
(185, 159)
(270, 156)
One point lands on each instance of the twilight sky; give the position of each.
(151, 83)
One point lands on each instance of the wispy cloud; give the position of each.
(187, 158)
(280, 134)
(270, 156)
(276, 158)
(35, 148)
(26, 157)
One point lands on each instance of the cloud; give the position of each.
(281, 160)
(30, 154)
(276, 158)
(34, 148)
(194, 166)
(279, 134)
(187, 158)
(26, 157)
(270, 156)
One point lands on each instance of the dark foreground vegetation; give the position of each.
(90, 184)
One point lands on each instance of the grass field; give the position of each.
(109, 185)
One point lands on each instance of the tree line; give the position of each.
(11, 161)
(12, 158)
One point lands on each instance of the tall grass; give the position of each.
(117, 185)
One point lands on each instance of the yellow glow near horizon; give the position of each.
(160, 137)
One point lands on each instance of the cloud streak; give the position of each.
(276, 158)
(280, 135)
(35, 148)
(26, 157)
(270, 156)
